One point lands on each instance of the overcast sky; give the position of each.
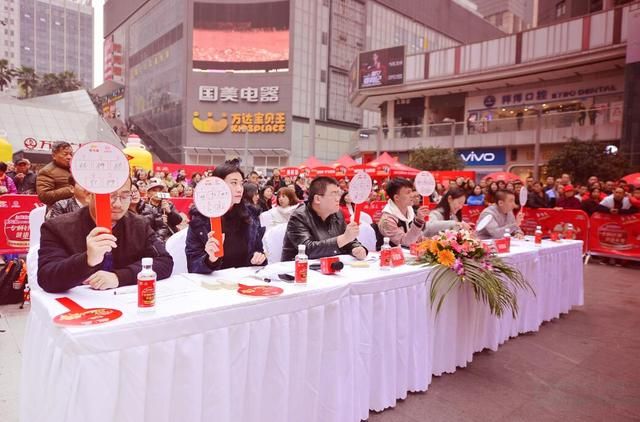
(97, 42)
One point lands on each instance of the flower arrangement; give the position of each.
(461, 258)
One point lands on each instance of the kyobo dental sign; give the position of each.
(483, 156)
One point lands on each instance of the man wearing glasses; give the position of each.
(73, 251)
(320, 226)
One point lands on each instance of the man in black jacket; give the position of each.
(73, 251)
(320, 226)
(23, 177)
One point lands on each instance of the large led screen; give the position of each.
(381, 67)
(241, 37)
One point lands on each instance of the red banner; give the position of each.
(445, 177)
(14, 217)
(615, 235)
(182, 206)
(552, 220)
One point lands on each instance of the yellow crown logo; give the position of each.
(210, 125)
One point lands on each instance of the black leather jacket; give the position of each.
(320, 237)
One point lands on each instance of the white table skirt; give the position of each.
(327, 352)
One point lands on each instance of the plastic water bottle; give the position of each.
(538, 236)
(385, 255)
(147, 286)
(302, 266)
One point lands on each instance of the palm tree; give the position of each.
(6, 74)
(27, 81)
(68, 81)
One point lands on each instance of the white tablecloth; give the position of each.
(330, 351)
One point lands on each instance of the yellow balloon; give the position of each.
(139, 156)
(6, 151)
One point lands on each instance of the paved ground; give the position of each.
(583, 367)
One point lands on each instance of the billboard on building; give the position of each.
(241, 36)
(381, 67)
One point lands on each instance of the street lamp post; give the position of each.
(245, 160)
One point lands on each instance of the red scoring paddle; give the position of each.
(79, 316)
(212, 197)
(359, 191)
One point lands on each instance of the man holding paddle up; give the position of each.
(320, 226)
(73, 251)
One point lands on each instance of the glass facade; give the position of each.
(57, 36)
(156, 75)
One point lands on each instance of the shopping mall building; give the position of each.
(507, 103)
(211, 79)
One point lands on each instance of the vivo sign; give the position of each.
(483, 156)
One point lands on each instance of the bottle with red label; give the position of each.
(507, 237)
(569, 233)
(302, 266)
(538, 235)
(147, 286)
(385, 255)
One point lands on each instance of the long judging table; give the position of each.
(330, 351)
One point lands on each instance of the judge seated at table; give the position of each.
(242, 238)
(399, 222)
(73, 251)
(320, 226)
(502, 217)
(448, 214)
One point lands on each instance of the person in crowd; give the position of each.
(52, 181)
(617, 203)
(550, 184)
(502, 217)
(583, 191)
(65, 206)
(266, 198)
(141, 175)
(448, 214)
(471, 185)
(552, 196)
(565, 179)
(174, 192)
(416, 199)
(6, 183)
(477, 197)
(346, 207)
(537, 198)
(301, 188)
(490, 197)
(529, 183)
(161, 213)
(73, 251)
(437, 194)
(251, 199)
(591, 180)
(399, 222)
(137, 205)
(188, 191)
(609, 186)
(592, 202)
(276, 181)
(510, 187)
(320, 226)
(569, 201)
(287, 203)
(502, 185)
(254, 178)
(23, 177)
(195, 179)
(242, 237)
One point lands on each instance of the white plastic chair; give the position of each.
(175, 245)
(32, 267)
(273, 241)
(266, 219)
(367, 237)
(36, 218)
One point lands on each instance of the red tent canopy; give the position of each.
(311, 163)
(384, 158)
(632, 179)
(345, 161)
(390, 166)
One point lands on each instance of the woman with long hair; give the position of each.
(287, 203)
(242, 237)
(449, 210)
(346, 207)
(266, 198)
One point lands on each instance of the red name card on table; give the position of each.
(397, 257)
(503, 245)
